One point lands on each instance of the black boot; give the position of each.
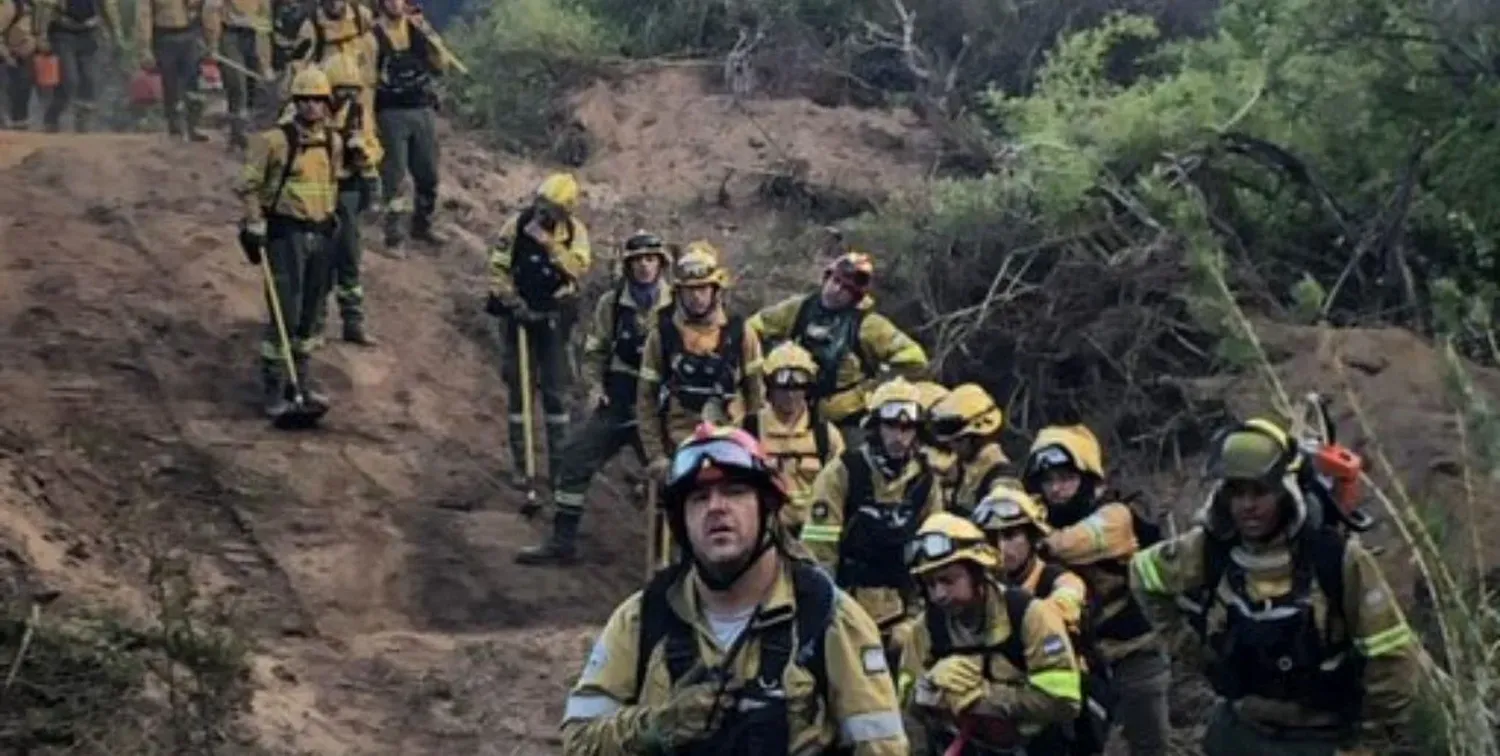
(311, 396)
(421, 230)
(273, 391)
(355, 333)
(561, 548)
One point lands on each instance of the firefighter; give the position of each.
(759, 653)
(984, 661)
(359, 189)
(290, 187)
(798, 441)
(1095, 534)
(941, 461)
(1015, 523)
(172, 38)
(287, 45)
(849, 340)
(18, 43)
(700, 362)
(535, 266)
(240, 32)
(409, 56)
(1309, 650)
(70, 30)
(340, 27)
(868, 504)
(967, 423)
(622, 319)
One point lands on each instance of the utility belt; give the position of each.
(1341, 735)
(159, 30)
(278, 225)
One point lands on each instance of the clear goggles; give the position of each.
(722, 453)
(996, 513)
(904, 412)
(931, 547)
(791, 378)
(1049, 458)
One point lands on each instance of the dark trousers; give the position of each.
(409, 137)
(347, 290)
(300, 269)
(18, 88)
(77, 58)
(1141, 680)
(240, 91)
(177, 53)
(547, 344)
(588, 449)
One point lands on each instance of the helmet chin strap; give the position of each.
(717, 581)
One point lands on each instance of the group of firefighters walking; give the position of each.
(844, 560)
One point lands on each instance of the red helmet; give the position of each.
(717, 452)
(854, 271)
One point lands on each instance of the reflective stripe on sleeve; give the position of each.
(876, 725)
(589, 707)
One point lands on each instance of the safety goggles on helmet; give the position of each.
(931, 547)
(998, 513)
(791, 378)
(1049, 458)
(948, 426)
(722, 453)
(899, 412)
(695, 268)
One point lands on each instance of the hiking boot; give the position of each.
(311, 396)
(354, 333)
(195, 135)
(274, 401)
(424, 233)
(561, 549)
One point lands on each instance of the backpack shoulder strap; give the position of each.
(751, 424)
(671, 339)
(867, 362)
(1013, 648)
(816, 598)
(1327, 548)
(821, 441)
(1051, 571)
(657, 622)
(803, 316)
(939, 641)
(861, 481)
(293, 146)
(731, 339)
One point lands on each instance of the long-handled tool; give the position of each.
(302, 413)
(238, 68)
(528, 425)
(653, 528)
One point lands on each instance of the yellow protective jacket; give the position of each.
(1067, 594)
(153, 16)
(362, 142)
(568, 251)
(17, 31)
(250, 15)
(968, 482)
(311, 190)
(602, 717)
(1099, 548)
(53, 14)
(793, 449)
(349, 34)
(662, 429)
(831, 509)
(1048, 691)
(880, 341)
(1165, 575)
(599, 347)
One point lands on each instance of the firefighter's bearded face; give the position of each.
(1255, 508)
(645, 269)
(835, 295)
(951, 586)
(1015, 549)
(722, 519)
(898, 439)
(698, 301)
(1060, 485)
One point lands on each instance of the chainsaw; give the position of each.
(1330, 473)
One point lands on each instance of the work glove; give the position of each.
(960, 680)
(685, 717)
(369, 192)
(495, 306)
(252, 240)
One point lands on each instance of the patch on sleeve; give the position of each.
(820, 510)
(598, 657)
(872, 658)
(1375, 597)
(1054, 645)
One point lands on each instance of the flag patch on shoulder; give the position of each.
(872, 658)
(1053, 645)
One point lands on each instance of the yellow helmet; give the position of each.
(931, 393)
(945, 539)
(1258, 449)
(895, 401)
(1006, 507)
(311, 82)
(343, 72)
(967, 411)
(560, 189)
(699, 266)
(1070, 446)
(790, 366)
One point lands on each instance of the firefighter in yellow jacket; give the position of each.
(341, 27)
(612, 350)
(849, 340)
(869, 502)
(290, 189)
(173, 39)
(699, 363)
(985, 662)
(535, 267)
(1306, 644)
(1015, 523)
(1095, 534)
(17, 46)
(740, 649)
(967, 423)
(240, 32)
(70, 29)
(359, 191)
(798, 442)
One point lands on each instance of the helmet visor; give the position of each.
(902, 412)
(721, 453)
(1248, 455)
(998, 513)
(791, 378)
(931, 547)
(1049, 458)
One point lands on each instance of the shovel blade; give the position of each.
(301, 415)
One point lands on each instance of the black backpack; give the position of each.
(1143, 520)
(1325, 546)
(1017, 601)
